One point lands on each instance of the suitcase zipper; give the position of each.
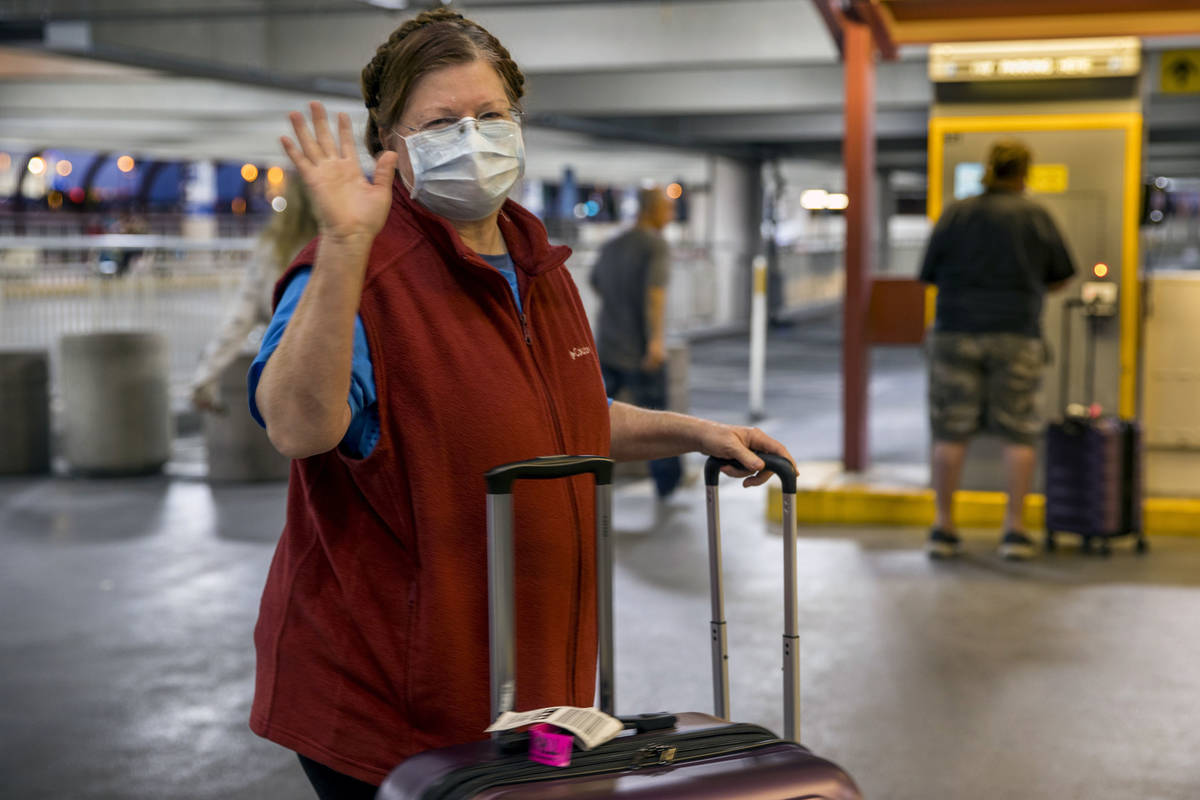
(623, 755)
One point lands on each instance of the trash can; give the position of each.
(238, 447)
(24, 412)
(116, 406)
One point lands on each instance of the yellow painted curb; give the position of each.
(866, 506)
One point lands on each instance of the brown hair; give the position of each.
(431, 40)
(1008, 161)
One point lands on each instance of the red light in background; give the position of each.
(76, 195)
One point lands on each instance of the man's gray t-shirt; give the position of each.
(627, 266)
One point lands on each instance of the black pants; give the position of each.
(649, 390)
(333, 785)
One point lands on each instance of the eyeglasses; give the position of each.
(446, 123)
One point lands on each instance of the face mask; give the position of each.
(464, 172)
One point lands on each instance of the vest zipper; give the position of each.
(525, 330)
(562, 446)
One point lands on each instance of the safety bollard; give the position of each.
(24, 413)
(758, 338)
(116, 406)
(238, 448)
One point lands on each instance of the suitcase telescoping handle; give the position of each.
(1089, 364)
(791, 631)
(502, 633)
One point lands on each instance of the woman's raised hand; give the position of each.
(348, 207)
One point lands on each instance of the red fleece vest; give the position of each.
(372, 635)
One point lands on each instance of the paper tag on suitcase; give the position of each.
(591, 726)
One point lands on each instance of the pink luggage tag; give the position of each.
(549, 746)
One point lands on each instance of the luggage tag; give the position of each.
(591, 726)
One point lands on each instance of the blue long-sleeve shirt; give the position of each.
(363, 433)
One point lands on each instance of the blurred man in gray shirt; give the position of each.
(630, 276)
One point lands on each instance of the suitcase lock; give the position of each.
(655, 755)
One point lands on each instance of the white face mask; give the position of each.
(464, 171)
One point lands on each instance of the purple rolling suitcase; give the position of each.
(1093, 465)
(686, 755)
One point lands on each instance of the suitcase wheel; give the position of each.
(1142, 545)
(1051, 544)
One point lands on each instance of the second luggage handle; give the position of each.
(791, 630)
(1089, 364)
(502, 634)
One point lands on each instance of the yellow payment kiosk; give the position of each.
(1077, 105)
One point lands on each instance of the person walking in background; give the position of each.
(278, 244)
(992, 258)
(630, 276)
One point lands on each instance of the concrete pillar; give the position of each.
(24, 413)
(116, 407)
(238, 448)
(735, 233)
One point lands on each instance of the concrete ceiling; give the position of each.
(622, 90)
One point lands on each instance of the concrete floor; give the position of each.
(126, 661)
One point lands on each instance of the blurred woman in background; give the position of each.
(287, 232)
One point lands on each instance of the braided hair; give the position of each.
(432, 39)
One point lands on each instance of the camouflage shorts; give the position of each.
(985, 381)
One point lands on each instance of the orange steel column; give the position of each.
(858, 154)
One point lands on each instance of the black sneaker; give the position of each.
(943, 544)
(1017, 547)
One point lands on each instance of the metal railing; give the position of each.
(51, 286)
(179, 288)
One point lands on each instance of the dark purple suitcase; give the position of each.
(736, 761)
(1093, 481)
(701, 756)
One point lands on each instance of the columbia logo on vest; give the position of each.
(580, 352)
